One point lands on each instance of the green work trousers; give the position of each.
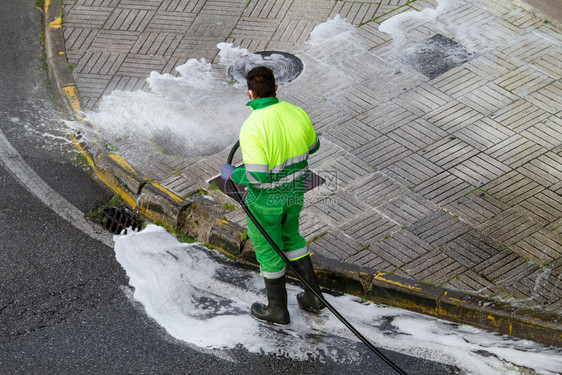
(280, 219)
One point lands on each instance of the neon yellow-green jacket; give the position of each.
(276, 140)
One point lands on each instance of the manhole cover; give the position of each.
(286, 67)
(434, 56)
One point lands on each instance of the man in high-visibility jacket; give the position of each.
(276, 140)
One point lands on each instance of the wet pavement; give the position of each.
(441, 131)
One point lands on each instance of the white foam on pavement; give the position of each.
(395, 25)
(228, 53)
(191, 113)
(200, 298)
(334, 29)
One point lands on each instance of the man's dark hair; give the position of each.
(261, 81)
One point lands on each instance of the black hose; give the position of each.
(240, 200)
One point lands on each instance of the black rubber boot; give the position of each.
(307, 300)
(276, 310)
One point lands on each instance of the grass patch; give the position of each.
(184, 238)
(228, 206)
(82, 161)
(231, 257)
(97, 214)
(181, 237)
(110, 147)
(158, 149)
(373, 167)
(208, 245)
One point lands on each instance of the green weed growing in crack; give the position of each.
(158, 149)
(228, 206)
(82, 161)
(97, 214)
(208, 245)
(184, 238)
(181, 237)
(231, 257)
(110, 147)
(316, 237)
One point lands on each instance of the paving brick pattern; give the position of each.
(455, 180)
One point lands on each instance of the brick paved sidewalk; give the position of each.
(451, 178)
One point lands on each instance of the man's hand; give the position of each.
(226, 171)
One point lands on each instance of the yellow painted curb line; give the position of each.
(379, 277)
(56, 24)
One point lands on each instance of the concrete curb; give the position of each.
(200, 218)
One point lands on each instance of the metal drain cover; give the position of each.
(117, 220)
(434, 56)
(286, 67)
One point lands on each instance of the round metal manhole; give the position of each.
(285, 67)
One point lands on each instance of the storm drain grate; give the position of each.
(285, 67)
(117, 220)
(434, 56)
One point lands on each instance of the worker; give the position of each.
(276, 140)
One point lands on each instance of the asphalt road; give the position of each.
(63, 306)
